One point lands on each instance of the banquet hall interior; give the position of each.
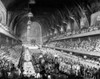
(49, 39)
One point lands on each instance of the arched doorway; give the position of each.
(34, 33)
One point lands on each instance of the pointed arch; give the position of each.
(15, 20)
(36, 32)
(3, 13)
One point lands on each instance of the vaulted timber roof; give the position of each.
(51, 13)
(14, 4)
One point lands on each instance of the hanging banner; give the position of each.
(76, 27)
(69, 28)
(55, 32)
(62, 29)
(50, 33)
(84, 22)
(95, 17)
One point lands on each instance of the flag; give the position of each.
(51, 31)
(47, 34)
(84, 20)
(76, 27)
(55, 32)
(69, 27)
(95, 19)
(74, 24)
(62, 29)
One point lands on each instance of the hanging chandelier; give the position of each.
(29, 22)
(32, 2)
(30, 15)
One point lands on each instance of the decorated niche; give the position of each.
(2, 13)
(95, 19)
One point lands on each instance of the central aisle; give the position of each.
(27, 60)
(27, 65)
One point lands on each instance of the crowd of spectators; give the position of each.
(52, 64)
(48, 64)
(9, 58)
(89, 44)
(74, 67)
